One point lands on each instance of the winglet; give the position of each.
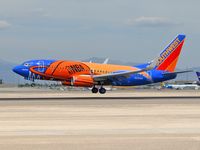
(152, 64)
(106, 61)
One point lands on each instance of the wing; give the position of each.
(126, 74)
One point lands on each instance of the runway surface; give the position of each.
(108, 124)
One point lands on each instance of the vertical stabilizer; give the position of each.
(168, 58)
(198, 75)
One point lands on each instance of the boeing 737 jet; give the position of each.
(95, 76)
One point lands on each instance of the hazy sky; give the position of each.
(128, 30)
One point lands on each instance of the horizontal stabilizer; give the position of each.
(177, 72)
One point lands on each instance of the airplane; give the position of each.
(182, 86)
(194, 85)
(96, 76)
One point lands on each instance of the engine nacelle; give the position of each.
(80, 80)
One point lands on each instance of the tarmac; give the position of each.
(37, 119)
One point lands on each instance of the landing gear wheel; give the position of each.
(94, 90)
(102, 90)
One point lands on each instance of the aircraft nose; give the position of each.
(21, 70)
(16, 69)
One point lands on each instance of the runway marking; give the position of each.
(104, 98)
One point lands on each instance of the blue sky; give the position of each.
(128, 30)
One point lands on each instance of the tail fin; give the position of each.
(168, 58)
(198, 75)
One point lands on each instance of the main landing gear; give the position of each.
(101, 90)
(94, 90)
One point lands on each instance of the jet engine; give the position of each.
(80, 80)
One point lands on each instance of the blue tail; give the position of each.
(198, 75)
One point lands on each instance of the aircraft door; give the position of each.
(41, 66)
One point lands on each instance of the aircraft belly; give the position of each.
(134, 80)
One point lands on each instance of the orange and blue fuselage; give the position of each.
(82, 72)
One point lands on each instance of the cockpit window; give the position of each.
(26, 64)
